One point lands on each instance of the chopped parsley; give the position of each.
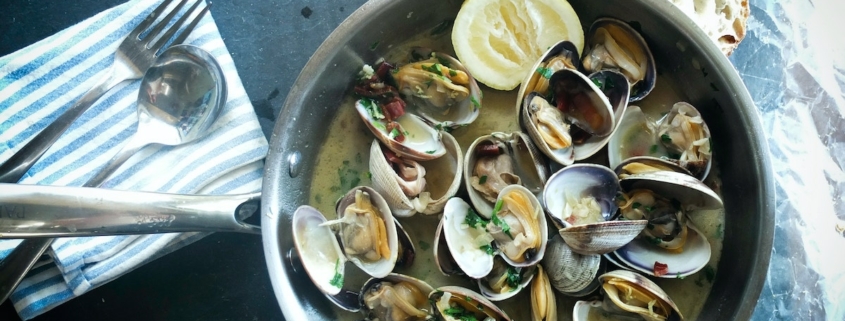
(709, 273)
(500, 223)
(655, 240)
(482, 179)
(679, 276)
(374, 45)
(513, 278)
(430, 152)
(608, 83)
(665, 138)
(649, 208)
(438, 127)
(475, 102)
(370, 175)
(598, 83)
(674, 156)
(545, 72)
(428, 83)
(337, 280)
(452, 73)
(424, 245)
(372, 108)
(653, 149)
(458, 312)
(636, 205)
(318, 198)
(394, 133)
(442, 61)
(472, 219)
(488, 249)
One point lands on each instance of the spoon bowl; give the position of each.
(180, 97)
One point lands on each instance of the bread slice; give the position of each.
(723, 20)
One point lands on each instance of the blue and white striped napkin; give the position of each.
(38, 82)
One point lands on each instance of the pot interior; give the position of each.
(701, 74)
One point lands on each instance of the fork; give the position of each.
(133, 57)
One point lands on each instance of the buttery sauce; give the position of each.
(343, 164)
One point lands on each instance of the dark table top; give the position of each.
(223, 276)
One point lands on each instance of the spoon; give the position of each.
(180, 97)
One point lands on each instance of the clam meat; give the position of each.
(613, 45)
(493, 172)
(633, 293)
(515, 225)
(687, 138)
(667, 223)
(396, 298)
(454, 303)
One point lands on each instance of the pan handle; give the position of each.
(31, 211)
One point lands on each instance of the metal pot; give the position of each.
(680, 49)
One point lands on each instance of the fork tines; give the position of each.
(163, 39)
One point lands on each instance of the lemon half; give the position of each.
(500, 40)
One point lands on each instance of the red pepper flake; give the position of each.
(660, 269)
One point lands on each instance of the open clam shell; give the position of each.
(615, 88)
(620, 286)
(421, 142)
(570, 273)
(395, 297)
(640, 255)
(647, 164)
(523, 215)
(562, 55)
(318, 250)
(462, 301)
(505, 281)
(440, 90)
(635, 135)
(543, 303)
(580, 201)
(465, 241)
(507, 157)
(580, 110)
(353, 229)
(689, 191)
(441, 179)
(613, 44)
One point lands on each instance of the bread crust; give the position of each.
(724, 21)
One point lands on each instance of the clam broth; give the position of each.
(343, 163)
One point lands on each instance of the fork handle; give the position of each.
(20, 261)
(13, 169)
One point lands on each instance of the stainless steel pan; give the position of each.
(681, 50)
(740, 149)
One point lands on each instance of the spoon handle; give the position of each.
(33, 211)
(15, 167)
(130, 148)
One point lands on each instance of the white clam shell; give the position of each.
(421, 143)
(318, 248)
(443, 179)
(691, 192)
(618, 98)
(394, 278)
(473, 261)
(639, 255)
(528, 164)
(643, 283)
(634, 136)
(382, 267)
(581, 311)
(541, 219)
(461, 293)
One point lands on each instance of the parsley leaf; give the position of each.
(545, 72)
(598, 83)
(452, 73)
(475, 102)
(653, 149)
(500, 223)
(372, 108)
(337, 280)
(488, 249)
(429, 152)
(472, 219)
(482, 179)
(513, 278)
(665, 138)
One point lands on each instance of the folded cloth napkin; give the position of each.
(39, 82)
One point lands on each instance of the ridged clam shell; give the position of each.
(601, 238)
(317, 248)
(569, 272)
(381, 267)
(443, 179)
(529, 165)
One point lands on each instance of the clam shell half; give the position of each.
(629, 51)
(421, 141)
(318, 250)
(379, 268)
(443, 179)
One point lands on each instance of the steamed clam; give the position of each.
(570, 273)
(670, 246)
(396, 297)
(613, 45)
(367, 233)
(504, 281)
(580, 201)
(628, 294)
(576, 111)
(500, 159)
(439, 89)
(411, 186)
(543, 304)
